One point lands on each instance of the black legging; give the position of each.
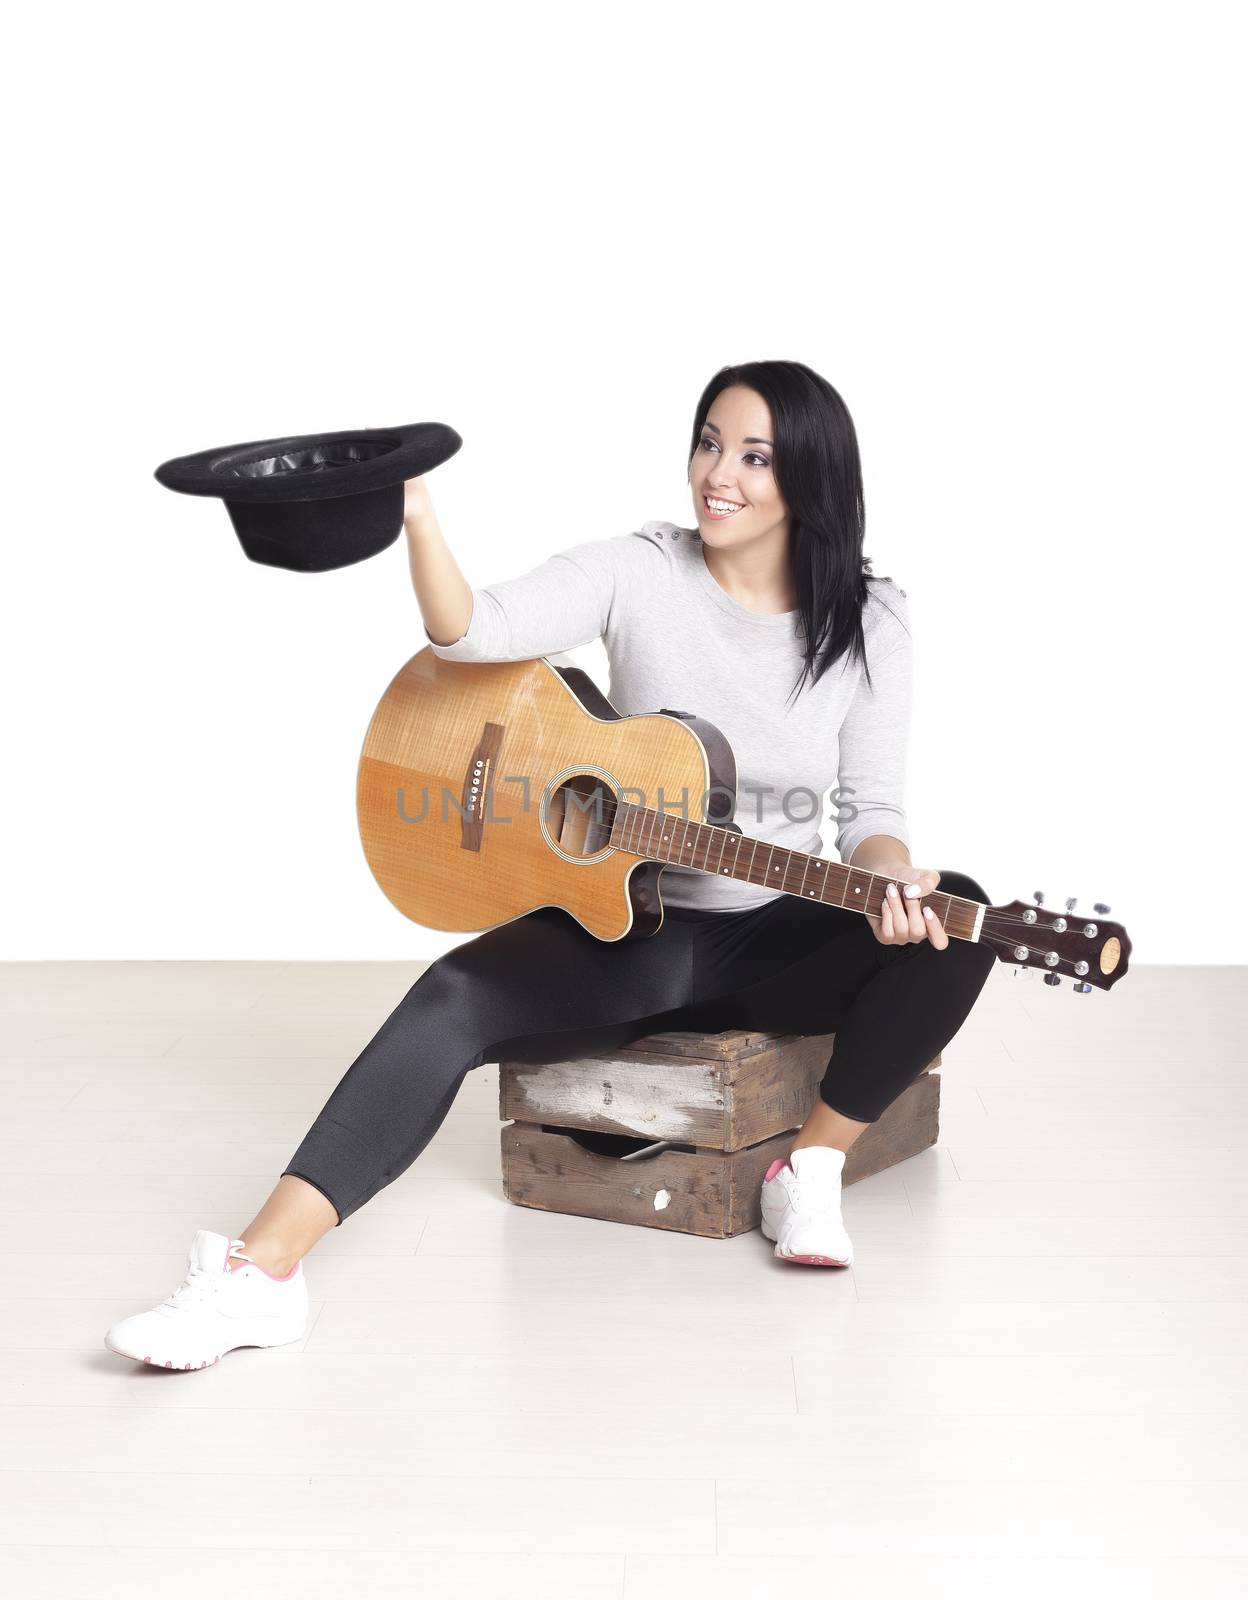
(541, 989)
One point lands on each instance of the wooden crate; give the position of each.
(729, 1103)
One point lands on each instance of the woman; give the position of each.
(768, 590)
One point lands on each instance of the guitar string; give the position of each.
(999, 917)
(1001, 921)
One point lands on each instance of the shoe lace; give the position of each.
(818, 1199)
(200, 1283)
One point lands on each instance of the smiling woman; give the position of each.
(765, 620)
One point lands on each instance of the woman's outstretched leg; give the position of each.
(535, 989)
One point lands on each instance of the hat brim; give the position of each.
(312, 466)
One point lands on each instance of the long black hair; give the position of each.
(819, 474)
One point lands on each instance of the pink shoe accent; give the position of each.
(816, 1261)
(780, 1161)
(284, 1279)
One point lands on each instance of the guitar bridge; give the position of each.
(478, 781)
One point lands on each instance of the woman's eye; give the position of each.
(753, 455)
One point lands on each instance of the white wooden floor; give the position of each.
(1033, 1380)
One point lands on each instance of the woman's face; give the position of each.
(733, 462)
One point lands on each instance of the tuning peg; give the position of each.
(1101, 911)
(1051, 978)
(1081, 988)
(1070, 904)
(1037, 897)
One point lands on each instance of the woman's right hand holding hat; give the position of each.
(417, 506)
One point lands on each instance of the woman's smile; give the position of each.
(719, 510)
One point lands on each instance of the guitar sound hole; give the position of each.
(579, 815)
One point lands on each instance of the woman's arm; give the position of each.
(881, 850)
(442, 591)
(566, 601)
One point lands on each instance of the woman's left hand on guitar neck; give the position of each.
(901, 919)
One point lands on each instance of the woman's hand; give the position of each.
(417, 506)
(902, 920)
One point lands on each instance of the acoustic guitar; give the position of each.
(488, 789)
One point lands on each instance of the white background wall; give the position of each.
(1010, 236)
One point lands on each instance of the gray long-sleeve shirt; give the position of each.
(675, 638)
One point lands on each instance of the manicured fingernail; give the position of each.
(928, 912)
(892, 889)
(912, 889)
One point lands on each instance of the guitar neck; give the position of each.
(703, 847)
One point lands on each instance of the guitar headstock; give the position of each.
(1090, 951)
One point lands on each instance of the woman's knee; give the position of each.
(446, 1010)
(457, 979)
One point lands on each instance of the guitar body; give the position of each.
(483, 788)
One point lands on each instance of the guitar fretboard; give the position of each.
(704, 847)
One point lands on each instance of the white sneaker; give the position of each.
(801, 1203)
(217, 1308)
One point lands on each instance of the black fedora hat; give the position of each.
(315, 501)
